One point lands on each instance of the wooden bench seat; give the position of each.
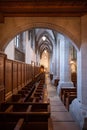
(51, 76)
(35, 126)
(30, 99)
(12, 125)
(14, 107)
(4, 107)
(85, 124)
(36, 100)
(39, 90)
(24, 107)
(66, 90)
(44, 125)
(69, 99)
(66, 93)
(24, 94)
(14, 98)
(43, 107)
(38, 94)
(27, 116)
(56, 82)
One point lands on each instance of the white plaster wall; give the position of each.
(10, 50)
(38, 58)
(29, 53)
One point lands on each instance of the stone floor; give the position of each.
(61, 118)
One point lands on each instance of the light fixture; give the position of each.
(72, 61)
(44, 38)
(45, 51)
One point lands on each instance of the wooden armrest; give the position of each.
(19, 124)
(29, 108)
(9, 108)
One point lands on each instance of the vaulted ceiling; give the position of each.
(10, 8)
(48, 42)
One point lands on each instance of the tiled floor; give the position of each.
(61, 118)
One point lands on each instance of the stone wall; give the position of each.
(70, 26)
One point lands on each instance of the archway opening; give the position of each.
(40, 45)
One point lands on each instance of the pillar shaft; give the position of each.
(65, 74)
(58, 57)
(79, 105)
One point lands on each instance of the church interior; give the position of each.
(43, 64)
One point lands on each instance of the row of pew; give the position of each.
(29, 109)
(67, 95)
(85, 124)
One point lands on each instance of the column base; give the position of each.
(64, 85)
(78, 111)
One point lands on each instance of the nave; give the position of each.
(60, 116)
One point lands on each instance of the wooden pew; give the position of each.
(30, 99)
(85, 124)
(14, 98)
(34, 111)
(64, 92)
(26, 92)
(27, 116)
(74, 78)
(13, 125)
(19, 106)
(69, 98)
(51, 76)
(35, 125)
(14, 107)
(56, 82)
(23, 125)
(67, 95)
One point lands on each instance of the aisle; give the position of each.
(61, 118)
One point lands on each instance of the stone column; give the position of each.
(55, 62)
(65, 74)
(78, 108)
(51, 64)
(55, 59)
(58, 58)
(52, 61)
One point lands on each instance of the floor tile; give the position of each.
(58, 109)
(65, 126)
(61, 116)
